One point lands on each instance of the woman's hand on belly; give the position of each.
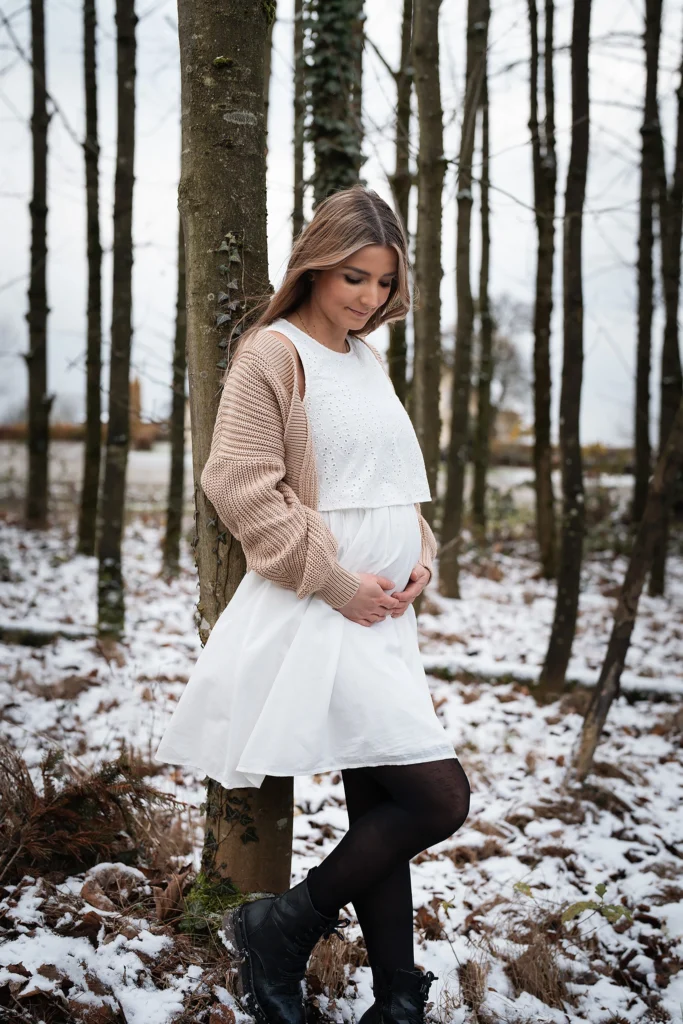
(370, 603)
(419, 578)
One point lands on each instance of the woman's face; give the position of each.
(348, 294)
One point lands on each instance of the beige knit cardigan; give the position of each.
(261, 476)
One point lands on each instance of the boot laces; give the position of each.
(425, 984)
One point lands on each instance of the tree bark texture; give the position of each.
(299, 119)
(333, 90)
(222, 201)
(39, 402)
(110, 590)
(458, 449)
(545, 185)
(267, 62)
(401, 182)
(431, 166)
(176, 487)
(482, 437)
(667, 469)
(87, 521)
(573, 510)
(671, 386)
(649, 187)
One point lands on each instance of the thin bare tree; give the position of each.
(431, 167)
(667, 469)
(299, 119)
(545, 186)
(176, 486)
(458, 448)
(482, 433)
(573, 508)
(92, 454)
(649, 188)
(39, 402)
(110, 589)
(671, 384)
(248, 836)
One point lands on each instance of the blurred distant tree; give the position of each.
(544, 162)
(482, 432)
(110, 593)
(176, 487)
(573, 505)
(39, 402)
(299, 118)
(333, 92)
(226, 262)
(671, 386)
(87, 522)
(449, 569)
(431, 165)
(650, 182)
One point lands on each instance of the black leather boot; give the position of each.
(400, 996)
(274, 937)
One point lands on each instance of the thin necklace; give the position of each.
(348, 349)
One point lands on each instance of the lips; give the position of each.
(357, 313)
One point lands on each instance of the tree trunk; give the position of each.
(482, 438)
(649, 185)
(176, 488)
(545, 184)
(671, 388)
(299, 119)
(430, 174)
(477, 27)
(39, 402)
(333, 88)
(87, 522)
(223, 208)
(267, 61)
(573, 511)
(667, 469)
(110, 595)
(401, 182)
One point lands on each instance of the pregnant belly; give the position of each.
(385, 541)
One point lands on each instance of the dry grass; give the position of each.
(327, 969)
(536, 970)
(80, 817)
(473, 975)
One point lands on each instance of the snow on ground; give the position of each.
(489, 900)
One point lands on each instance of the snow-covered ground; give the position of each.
(489, 901)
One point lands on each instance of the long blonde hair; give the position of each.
(342, 223)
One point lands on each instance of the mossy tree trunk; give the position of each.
(458, 448)
(222, 201)
(39, 402)
(110, 591)
(545, 185)
(483, 428)
(659, 493)
(671, 383)
(573, 508)
(92, 454)
(176, 486)
(649, 186)
(431, 166)
(333, 92)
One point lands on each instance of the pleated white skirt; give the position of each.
(291, 687)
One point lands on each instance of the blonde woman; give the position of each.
(314, 665)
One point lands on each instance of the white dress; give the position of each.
(289, 686)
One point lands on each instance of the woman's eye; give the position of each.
(352, 280)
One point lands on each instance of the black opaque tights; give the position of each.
(395, 812)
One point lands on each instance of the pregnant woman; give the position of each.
(314, 665)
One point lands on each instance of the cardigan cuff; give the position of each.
(340, 587)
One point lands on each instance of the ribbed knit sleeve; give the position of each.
(244, 478)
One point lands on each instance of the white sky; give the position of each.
(617, 82)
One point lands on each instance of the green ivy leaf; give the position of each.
(601, 889)
(523, 887)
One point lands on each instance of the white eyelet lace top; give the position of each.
(367, 453)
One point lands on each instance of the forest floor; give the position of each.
(549, 905)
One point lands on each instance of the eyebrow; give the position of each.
(367, 272)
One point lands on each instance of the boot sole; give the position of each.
(233, 926)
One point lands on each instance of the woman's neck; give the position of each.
(314, 323)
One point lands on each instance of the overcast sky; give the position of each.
(617, 81)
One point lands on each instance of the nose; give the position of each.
(370, 297)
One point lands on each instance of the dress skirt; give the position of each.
(290, 686)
